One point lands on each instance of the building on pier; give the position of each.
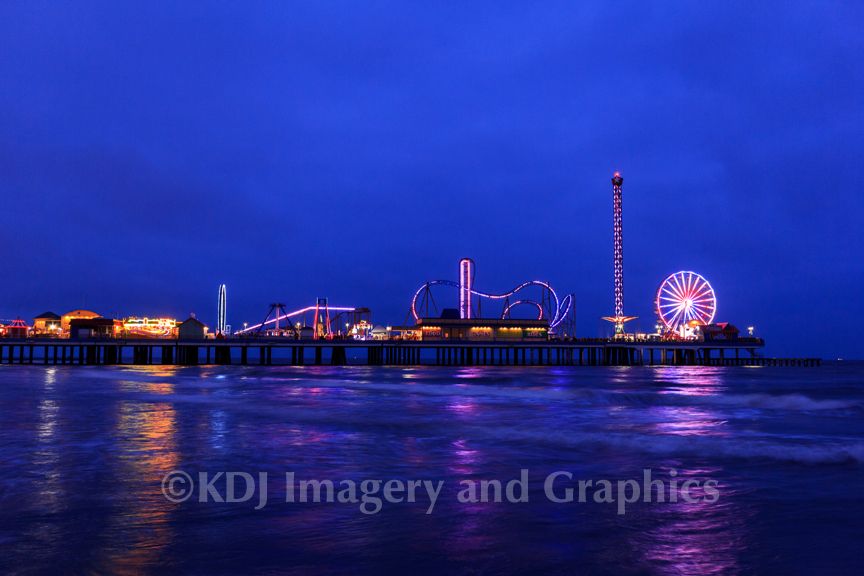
(193, 329)
(483, 329)
(46, 324)
(88, 328)
(17, 329)
(406, 333)
(379, 333)
(720, 331)
(67, 318)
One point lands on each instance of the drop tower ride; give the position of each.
(619, 319)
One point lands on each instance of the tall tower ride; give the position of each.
(618, 255)
(222, 311)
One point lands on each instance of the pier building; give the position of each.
(482, 329)
(47, 324)
(93, 328)
(193, 329)
(76, 314)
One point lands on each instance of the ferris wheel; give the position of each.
(685, 298)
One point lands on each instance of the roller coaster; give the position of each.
(326, 319)
(549, 307)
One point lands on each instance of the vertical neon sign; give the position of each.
(466, 284)
(222, 310)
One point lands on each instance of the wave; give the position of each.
(820, 452)
(781, 402)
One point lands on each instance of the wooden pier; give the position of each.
(287, 352)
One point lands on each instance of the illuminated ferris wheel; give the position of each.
(685, 298)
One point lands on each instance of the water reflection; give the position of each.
(471, 373)
(462, 406)
(218, 429)
(49, 484)
(146, 450)
(472, 533)
(687, 421)
(690, 380)
(162, 388)
(463, 459)
(695, 538)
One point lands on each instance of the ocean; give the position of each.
(205, 470)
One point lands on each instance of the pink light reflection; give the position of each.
(697, 538)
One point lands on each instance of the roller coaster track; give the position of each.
(289, 315)
(559, 307)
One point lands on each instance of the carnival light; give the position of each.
(685, 298)
(150, 327)
(529, 302)
(290, 314)
(466, 281)
(559, 307)
(222, 311)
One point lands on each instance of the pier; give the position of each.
(289, 352)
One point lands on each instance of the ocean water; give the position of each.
(85, 452)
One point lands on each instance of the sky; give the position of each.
(353, 150)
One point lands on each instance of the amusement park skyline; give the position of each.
(294, 151)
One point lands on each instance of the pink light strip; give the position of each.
(295, 313)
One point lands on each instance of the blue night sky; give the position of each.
(355, 149)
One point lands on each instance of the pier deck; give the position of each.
(286, 352)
